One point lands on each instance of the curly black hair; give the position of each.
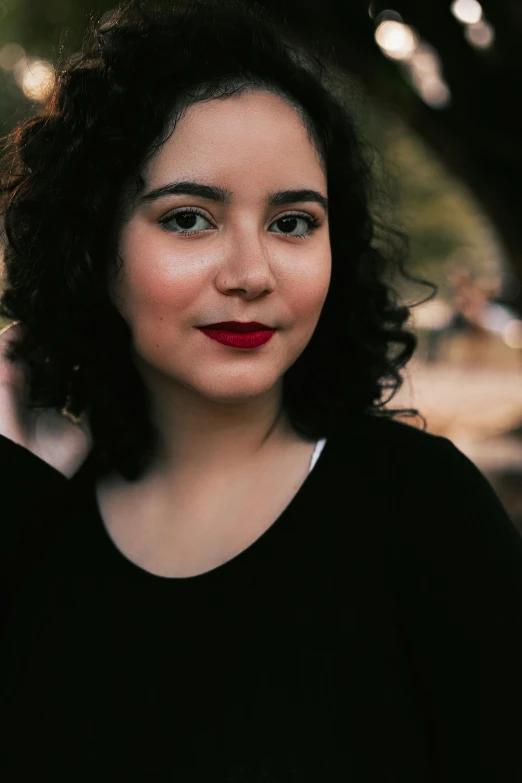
(70, 173)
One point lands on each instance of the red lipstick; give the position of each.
(236, 334)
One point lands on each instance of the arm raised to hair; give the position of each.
(39, 452)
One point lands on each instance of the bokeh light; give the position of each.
(396, 40)
(35, 77)
(480, 34)
(467, 11)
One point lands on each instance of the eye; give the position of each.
(293, 217)
(188, 216)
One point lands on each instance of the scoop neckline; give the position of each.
(228, 567)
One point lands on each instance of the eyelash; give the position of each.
(313, 222)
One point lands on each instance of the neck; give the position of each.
(205, 437)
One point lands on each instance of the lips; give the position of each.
(237, 326)
(239, 340)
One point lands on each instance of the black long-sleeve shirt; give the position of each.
(372, 634)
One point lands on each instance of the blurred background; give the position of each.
(434, 86)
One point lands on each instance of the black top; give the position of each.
(372, 634)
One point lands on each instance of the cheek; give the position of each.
(158, 292)
(156, 284)
(159, 305)
(307, 291)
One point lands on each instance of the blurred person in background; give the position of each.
(474, 334)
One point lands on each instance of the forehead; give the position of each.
(253, 134)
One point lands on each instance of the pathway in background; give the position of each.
(479, 408)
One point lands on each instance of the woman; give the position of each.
(222, 564)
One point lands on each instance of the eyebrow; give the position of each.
(224, 196)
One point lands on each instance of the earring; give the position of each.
(69, 415)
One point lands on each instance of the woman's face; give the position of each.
(237, 261)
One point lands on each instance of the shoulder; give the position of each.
(418, 468)
(384, 427)
(383, 435)
(430, 499)
(419, 456)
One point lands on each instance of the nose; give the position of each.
(248, 269)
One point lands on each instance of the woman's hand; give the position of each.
(49, 435)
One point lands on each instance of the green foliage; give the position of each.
(444, 221)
